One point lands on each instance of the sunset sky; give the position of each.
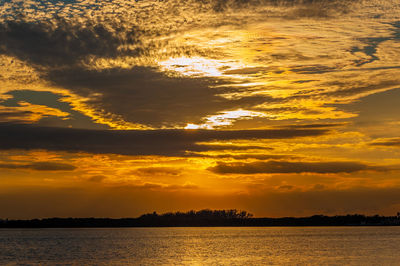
(278, 107)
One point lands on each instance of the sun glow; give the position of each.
(199, 66)
(225, 118)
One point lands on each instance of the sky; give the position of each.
(277, 107)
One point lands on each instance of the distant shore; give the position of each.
(204, 218)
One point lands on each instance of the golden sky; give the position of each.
(118, 108)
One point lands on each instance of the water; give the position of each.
(202, 246)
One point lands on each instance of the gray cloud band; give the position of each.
(40, 166)
(285, 167)
(131, 142)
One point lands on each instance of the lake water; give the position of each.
(202, 246)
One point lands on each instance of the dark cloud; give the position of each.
(40, 166)
(247, 71)
(260, 156)
(48, 99)
(58, 49)
(62, 43)
(245, 156)
(358, 88)
(181, 187)
(392, 142)
(284, 167)
(313, 69)
(319, 187)
(207, 147)
(141, 95)
(15, 116)
(303, 8)
(286, 187)
(157, 171)
(97, 178)
(159, 187)
(131, 142)
(315, 125)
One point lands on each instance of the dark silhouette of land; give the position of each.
(205, 218)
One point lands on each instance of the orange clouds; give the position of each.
(115, 108)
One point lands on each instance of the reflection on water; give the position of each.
(199, 246)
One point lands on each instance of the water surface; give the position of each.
(202, 246)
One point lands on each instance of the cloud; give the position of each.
(314, 69)
(61, 42)
(289, 8)
(97, 178)
(182, 187)
(141, 94)
(59, 39)
(14, 115)
(131, 142)
(60, 51)
(162, 187)
(314, 125)
(357, 89)
(66, 44)
(28, 113)
(40, 166)
(390, 142)
(226, 147)
(284, 187)
(284, 167)
(157, 171)
(256, 156)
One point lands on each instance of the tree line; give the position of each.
(205, 217)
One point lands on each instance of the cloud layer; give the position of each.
(285, 167)
(40, 166)
(122, 65)
(132, 142)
